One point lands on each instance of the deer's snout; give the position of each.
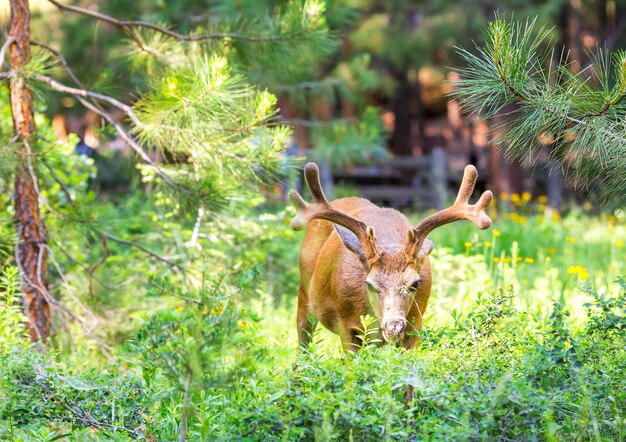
(394, 329)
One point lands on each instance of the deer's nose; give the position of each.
(395, 328)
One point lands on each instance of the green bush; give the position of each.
(41, 399)
(494, 374)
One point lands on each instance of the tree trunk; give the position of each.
(401, 107)
(31, 252)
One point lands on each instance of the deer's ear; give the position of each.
(427, 247)
(349, 240)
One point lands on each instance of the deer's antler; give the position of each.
(321, 209)
(460, 210)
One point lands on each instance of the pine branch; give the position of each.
(127, 25)
(132, 143)
(588, 120)
(315, 123)
(62, 60)
(128, 110)
(5, 47)
(142, 248)
(56, 178)
(330, 82)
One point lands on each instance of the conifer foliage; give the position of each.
(583, 112)
(205, 107)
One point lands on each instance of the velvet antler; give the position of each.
(460, 210)
(321, 209)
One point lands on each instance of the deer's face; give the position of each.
(393, 278)
(392, 283)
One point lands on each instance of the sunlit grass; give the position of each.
(542, 254)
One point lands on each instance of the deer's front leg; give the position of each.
(305, 321)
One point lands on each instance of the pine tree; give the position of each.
(199, 107)
(582, 112)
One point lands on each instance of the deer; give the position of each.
(358, 259)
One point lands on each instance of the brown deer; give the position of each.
(358, 259)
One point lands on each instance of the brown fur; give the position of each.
(332, 278)
(358, 259)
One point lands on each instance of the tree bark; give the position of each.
(31, 248)
(401, 107)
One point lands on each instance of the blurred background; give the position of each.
(144, 227)
(370, 103)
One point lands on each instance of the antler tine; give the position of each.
(460, 210)
(476, 212)
(321, 209)
(312, 177)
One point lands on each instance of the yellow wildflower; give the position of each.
(179, 309)
(467, 244)
(496, 233)
(542, 199)
(487, 244)
(505, 260)
(552, 250)
(526, 196)
(570, 239)
(612, 219)
(496, 259)
(529, 260)
(578, 270)
(504, 196)
(243, 324)
(516, 199)
(619, 243)
(217, 310)
(542, 207)
(518, 258)
(487, 281)
(556, 216)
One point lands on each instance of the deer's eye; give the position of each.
(415, 284)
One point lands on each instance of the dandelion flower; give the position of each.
(496, 259)
(619, 243)
(179, 309)
(217, 310)
(496, 233)
(467, 244)
(542, 199)
(504, 196)
(488, 244)
(570, 239)
(243, 324)
(487, 281)
(529, 260)
(526, 196)
(578, 270)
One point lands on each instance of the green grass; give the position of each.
(512, 349)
